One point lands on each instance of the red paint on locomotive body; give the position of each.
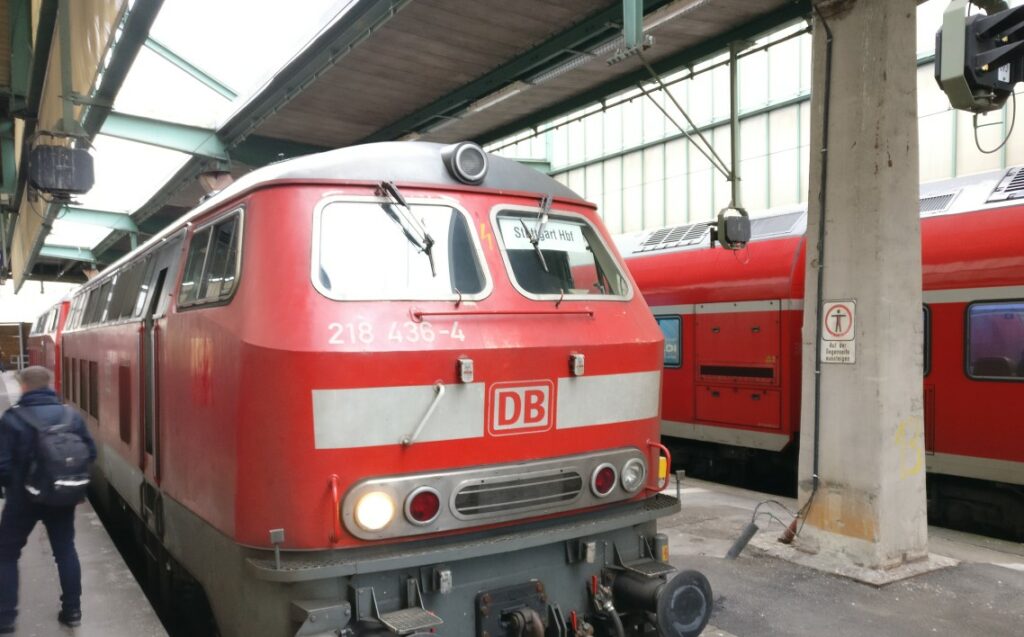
(44, 341)
(730, 304)
(237, 441)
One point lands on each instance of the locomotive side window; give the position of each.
(560, 257)
(995, 340)
(146, 272)
(212, 265)
(672, 328)
(219, 275)
(363, 250)
(197, 250)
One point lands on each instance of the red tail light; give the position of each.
(422, 506)
(603, 480)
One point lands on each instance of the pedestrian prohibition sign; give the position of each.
(838, 341)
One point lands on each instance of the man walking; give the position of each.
(31, 433)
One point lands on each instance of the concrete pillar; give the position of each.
(869, 509)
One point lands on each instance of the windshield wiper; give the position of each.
(534, 237)
(412, 228)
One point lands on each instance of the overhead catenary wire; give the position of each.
(717, 162)
(1006, 138)
(605, 105)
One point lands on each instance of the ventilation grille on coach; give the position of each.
(675, 237)
(936, 203)
(1011, 186)
(775, 226)
(492, 496)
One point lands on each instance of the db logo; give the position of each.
(520, 408)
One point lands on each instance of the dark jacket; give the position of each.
(17, 437)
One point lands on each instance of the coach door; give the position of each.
(152, 352)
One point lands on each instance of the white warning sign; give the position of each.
(838, 341)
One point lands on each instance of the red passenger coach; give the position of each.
(45, 338)
(389, 389)
(733, 322)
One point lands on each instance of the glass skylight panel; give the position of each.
(258, 42)
(128, 174)
(74, 234)
(157, 89)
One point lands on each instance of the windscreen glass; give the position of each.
(369, 250)
(559, 256)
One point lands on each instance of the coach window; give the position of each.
(671, 328)
(380, 251)
(927, 313)
(995, 340)
(560, 258)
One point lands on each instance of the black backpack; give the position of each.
(58, 471)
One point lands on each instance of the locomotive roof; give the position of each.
(970, 193)
(400, 162)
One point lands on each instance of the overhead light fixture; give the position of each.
(671, 11)
(443, 121)
(484, 103)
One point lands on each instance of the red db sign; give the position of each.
(520, 408)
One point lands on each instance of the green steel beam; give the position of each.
(75, 253)
(67, 253)
(192, 70)
(125, 47)
(46, 24)
(179, 137)
(8, 167)
(793, 10)
(632, 23)
(21, 48)
(592, 30)
(105, 218)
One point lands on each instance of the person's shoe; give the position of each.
(70, 617)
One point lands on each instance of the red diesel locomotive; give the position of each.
(44, 340)
(391, 389)
(733, 335)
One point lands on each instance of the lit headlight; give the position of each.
(633, 475)
(375, 510)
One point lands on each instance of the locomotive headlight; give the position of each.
(633, 475)
(375, 510)
(466, 161)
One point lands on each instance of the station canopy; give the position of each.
(226, 86)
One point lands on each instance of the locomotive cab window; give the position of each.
(374, 251)
(995, 340)
(211, 268)
(560, 257)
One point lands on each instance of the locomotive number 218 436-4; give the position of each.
(398, 332)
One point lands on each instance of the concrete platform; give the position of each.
(761, 595)
(113, 605)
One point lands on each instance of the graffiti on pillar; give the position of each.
(909, 440)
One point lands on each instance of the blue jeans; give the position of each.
(18, 519)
